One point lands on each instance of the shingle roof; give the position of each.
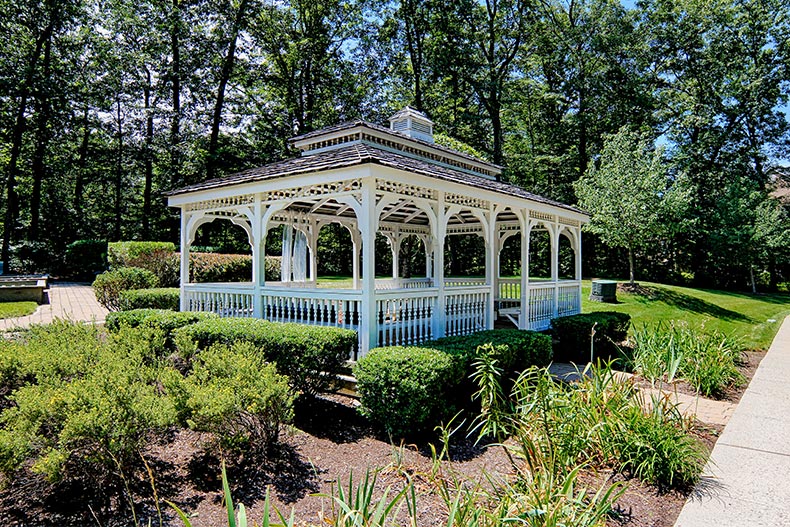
(351, 124)
(361, 153)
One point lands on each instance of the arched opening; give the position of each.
(567, 258)
(220, 253)
(539, 253)
(464, 247)
(411, 261)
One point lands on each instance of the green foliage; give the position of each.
(109, 285)
(128, 254)
(513, 349)
(211, 267)
(83, 258)
(235, 393)
(576, 331)
(707, 360)
(87, 403)
(407, 389)
(157, 298)
(599, 420)
(310, 356)
(159, 319)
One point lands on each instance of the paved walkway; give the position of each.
(747, 479)
(66, 300)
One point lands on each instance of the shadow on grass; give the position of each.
(687, 303)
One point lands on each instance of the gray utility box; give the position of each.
(604, 291)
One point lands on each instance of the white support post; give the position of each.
(578, 267)
(258, 257)
(368, 225)
(439, 231)
(523, 319)
(315, 229)
(491, 266)
(184, 272)
(555, 264)
(428, 243)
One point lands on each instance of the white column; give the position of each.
(184, 273)
(315, 230)
(523, 319)
(258, 257)
(428, 246)
(491, 266)
(578, 267)
(554, 236)
(367, 226)
(438, 231)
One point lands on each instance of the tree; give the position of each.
(629, 194)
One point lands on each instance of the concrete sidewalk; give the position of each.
(66, 300)
(747, 480)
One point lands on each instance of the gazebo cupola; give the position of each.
(412, 123)
(395, 182)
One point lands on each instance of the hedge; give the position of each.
(311, 356)
(108, 286)
(125, 254)
(407, 389)
(156, 298)
(400, 374)
(84, 258)
(573, 335)
(162, 319)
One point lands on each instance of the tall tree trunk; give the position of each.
(631, 264)
(414, 45)
(118, 174)
(225, 73)
(82, 163)
(20, 123)
(149, 157)
(175, 78)
(38, 164)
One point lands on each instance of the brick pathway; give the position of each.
(66, 300)
(706, 410)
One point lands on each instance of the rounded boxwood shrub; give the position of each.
(407, 389)
(161, 319)
(109, 285)
(156, 298)
(311, 356)
(574, 332)
(515, 350)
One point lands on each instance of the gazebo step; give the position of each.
(348, 386)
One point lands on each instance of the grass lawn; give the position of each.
(754, 318)
(16, 309)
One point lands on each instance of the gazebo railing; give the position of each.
(325, 307)
(227, 300)
(405, 317)
(465, 310)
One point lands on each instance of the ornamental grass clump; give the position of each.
(707, 360)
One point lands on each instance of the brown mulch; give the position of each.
(328, 442)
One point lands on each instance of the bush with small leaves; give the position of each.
(310, 356)
(156, 298)
(108, 286)
(236, 394)
(160, 319)
(407, 389)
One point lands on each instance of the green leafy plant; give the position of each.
(576, 337)
(156, 298)
(407, 389)
(109, 285)
(310, 356)
(160, 319)
(83, 258)
(235, 393)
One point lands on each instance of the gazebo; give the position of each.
(397, 182)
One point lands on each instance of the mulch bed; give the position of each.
(328, 442)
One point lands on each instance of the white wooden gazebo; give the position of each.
(397, 182)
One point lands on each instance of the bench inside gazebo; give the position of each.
(396, 182)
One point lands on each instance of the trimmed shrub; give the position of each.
(211, 267)
(85, 258)
(573, 334)
(157, 298)
(124, 254)
(234, 393)
(515, 350)
(109, 285)
(407, 389)
(159, 319)
(311, 356)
